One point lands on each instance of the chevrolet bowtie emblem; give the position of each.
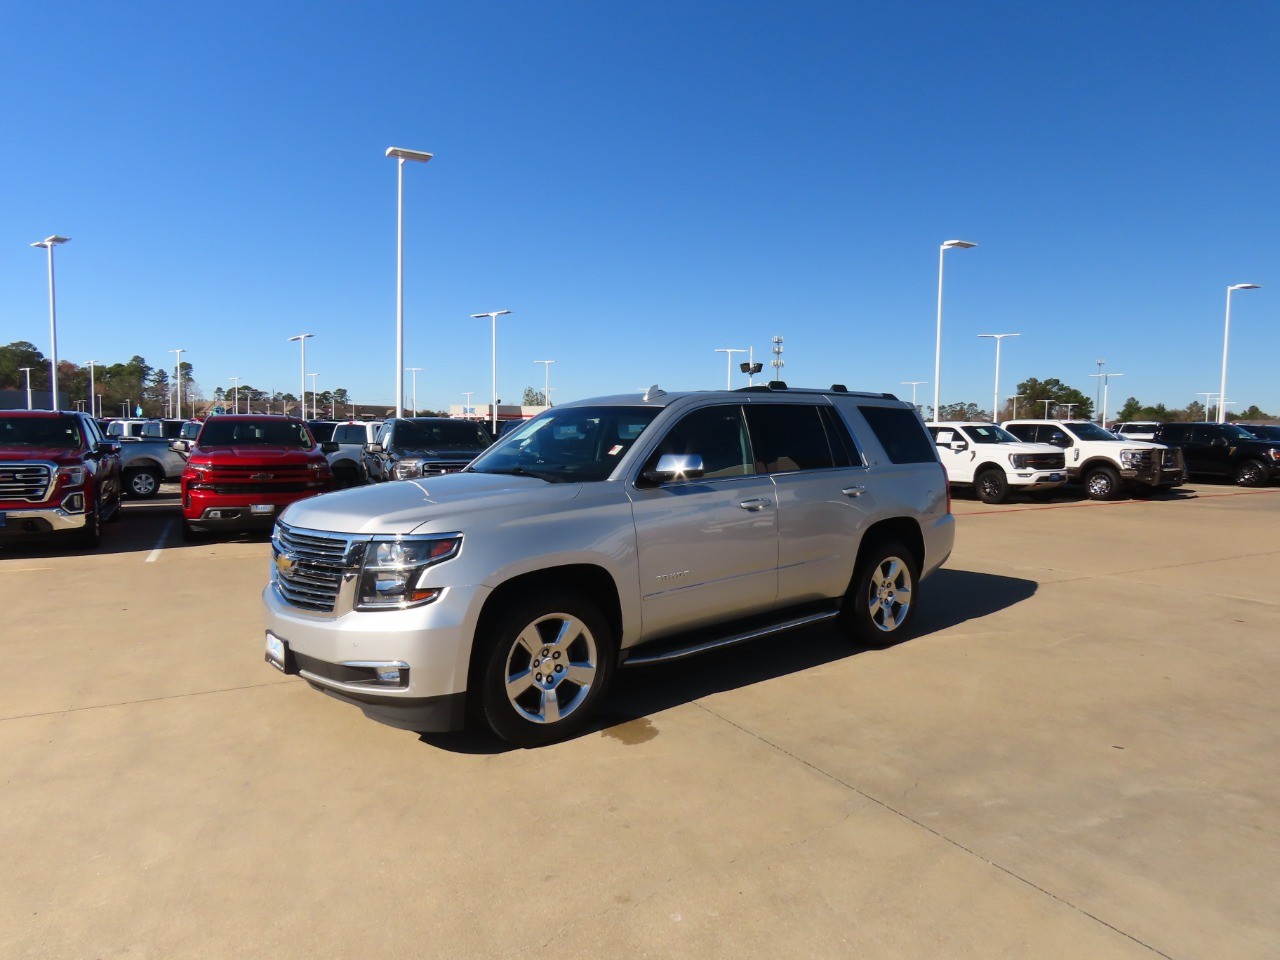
(261, 476)
(285, 566)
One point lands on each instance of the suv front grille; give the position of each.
(1142, 458)
(24, 481)
(1046, 461)
(309, 567)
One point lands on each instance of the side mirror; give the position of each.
(328, 447)
(106, 447)
(373, 448)
(959, 446)
(181, 446)
(675, 466)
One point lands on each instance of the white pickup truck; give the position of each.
(1106, 464)
(995, 462)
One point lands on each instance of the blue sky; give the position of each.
(644, 183)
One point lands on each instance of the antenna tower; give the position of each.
(777, 362)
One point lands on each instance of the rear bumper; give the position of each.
(253, 511)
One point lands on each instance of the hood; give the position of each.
(439, 504)
(58, 455)
(255, 455)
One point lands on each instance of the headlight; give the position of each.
(71, 476)
(1130, 458)
(407, 469)
(1019, 460)
(1274, 453)
(393, 573)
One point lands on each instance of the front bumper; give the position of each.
(29, 521)
(429, 647)
(1037, 479)
(249, 511)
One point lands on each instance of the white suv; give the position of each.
(994, 461)
(628, 529)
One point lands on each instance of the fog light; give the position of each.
(389, 675)
(74, 503)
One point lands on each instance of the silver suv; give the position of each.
(622, 530)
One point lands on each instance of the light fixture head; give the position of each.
(957, 245)
(1244, 286)
(491, 313)
(301, 336)
(400, 153)
(51, 241)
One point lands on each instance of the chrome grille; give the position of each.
(25, 481)
(309, 567)
(435, 468)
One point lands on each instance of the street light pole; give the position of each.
(1046, 408)
(546, 380)
(178, 375)
(493, 315)
(1015, 398)
(1101, 364)
(1106, 382)
(937, 350)
(415, 371)
(315, 411)
(93, 404)
(302, 395)
(466, 404)
(49, 243)
(995, 396)
(1226, 331)
(728, 356)
(401, 156)
(913, 384)
(1207, 397)
(235, 395)
(27, 371)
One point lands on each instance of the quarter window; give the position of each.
(901, 434)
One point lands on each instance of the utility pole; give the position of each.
(777, 362)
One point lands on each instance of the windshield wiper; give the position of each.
(517, 472)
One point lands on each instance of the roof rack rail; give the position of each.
(777, 385)
(840, 387)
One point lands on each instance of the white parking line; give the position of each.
(154, 555)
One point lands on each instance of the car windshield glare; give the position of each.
(266, 433)
(989, 433)
(568, 444)
(1090, 431)
(50, 432)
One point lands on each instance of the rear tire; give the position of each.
(882, 599)
(991, 486)
(1102, 483)
(546, 664)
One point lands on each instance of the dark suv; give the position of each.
(1224, 450)
(423, 447)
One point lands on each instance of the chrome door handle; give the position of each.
(854, 491)
(758, 504)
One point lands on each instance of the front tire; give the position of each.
(142, 483)
(548, 662)
(90, 535)
(992, 486)
(1102, 483)
(1251, 473)
(882, 599)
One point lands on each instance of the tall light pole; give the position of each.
(1106, 382)
(235, 394)
(27, 371)
(415, 371)
(1207, 398)
(937, 350)
(302, 393)
(546, 380)
(177, 368)
(1046, 407)
(1069, 406)
(93, 403)
(493, 315)
(1226, 332)
(401, 155)
(728, 356)
(49, 243)
(995, 395)
(315, 413)
(1101, 364)
(466, 404)
(913, 384)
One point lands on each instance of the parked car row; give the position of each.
(1248, 454)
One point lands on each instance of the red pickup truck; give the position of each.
(58, 474)
(243, 469)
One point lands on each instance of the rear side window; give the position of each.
(901, 433)
(788, 437)
(1173, 431)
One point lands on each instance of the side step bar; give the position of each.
(642, 656)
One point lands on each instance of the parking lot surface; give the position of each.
(1073, 756)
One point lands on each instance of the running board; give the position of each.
(641, 656)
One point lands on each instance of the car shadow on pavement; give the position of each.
(950, 597)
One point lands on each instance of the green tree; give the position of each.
(951, 412)
(21, 354)
(534, 398)
(1035, 392)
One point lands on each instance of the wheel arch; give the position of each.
(1094, 462)
(142, 463)
(902, 529)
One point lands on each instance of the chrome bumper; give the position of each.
(57, 518)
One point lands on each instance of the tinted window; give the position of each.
(1023, 431)
(49, 432)
(322, 431)
(1176, 432)
(843, 450)
(901, 434)
(350, 433)
(427, 434)
(788, 437)
(275, 433)
(718, 435)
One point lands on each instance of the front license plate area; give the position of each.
(277, 652)
(261, 509)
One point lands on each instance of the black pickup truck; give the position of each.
(1223, 450)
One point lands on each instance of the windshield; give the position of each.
(1090, 431)
(51, 432)
(568, 444)
(431, 434)
(265, 433)
(989, 433)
